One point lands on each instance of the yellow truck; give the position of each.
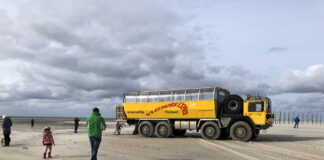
(213, 112)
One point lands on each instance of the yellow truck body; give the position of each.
(211, 111)
(175, 109)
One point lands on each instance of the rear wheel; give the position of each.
(210, 130)
(179, 132)
(233, 104)
(241, 131)
(163, 129)
(146, 129)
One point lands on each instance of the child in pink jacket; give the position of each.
(48, 141)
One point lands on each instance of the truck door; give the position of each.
(256, 111)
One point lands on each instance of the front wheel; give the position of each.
(241, 131)
(210, 130)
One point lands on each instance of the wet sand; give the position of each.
(279, 142)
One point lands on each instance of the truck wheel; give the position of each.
(233, 104)
(210, 130)
(146, 129)
(163, 129)
(179, 132)
(241, 131)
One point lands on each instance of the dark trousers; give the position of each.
(296, 125)
(7, 139)
(76, 129)
(95, 143)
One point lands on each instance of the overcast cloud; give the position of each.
(61, 58)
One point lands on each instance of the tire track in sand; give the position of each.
(289, 151)
(243, 150)
(261, 151)
(221, 147)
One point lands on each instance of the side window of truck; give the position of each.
(191, 96)
(255, 107)
(165, 98)
(152, 98)
(178, 96)
(130, 99)
(206, 95)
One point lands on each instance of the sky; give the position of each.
(62, 58)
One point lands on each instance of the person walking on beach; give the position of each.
(95, 124)
(6, 126)
(48, 141)
(32, 122)
(118, 128)
(76, 124)
(296, 122)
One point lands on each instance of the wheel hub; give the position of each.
(146, 129)
(240, 132)
(232, 105)
(210, 131)
(162, 130)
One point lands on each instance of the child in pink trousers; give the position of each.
(48, 141)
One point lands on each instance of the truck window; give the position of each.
(142, 98)
(221, 96)
(206, 95)
(255, 107)
(152, 98)
(191, 96)
(165, 97)
(130, 99)
(178, 96)
(268, 106)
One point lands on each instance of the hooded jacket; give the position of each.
(95, 124)
(6, 125)
(48, 138)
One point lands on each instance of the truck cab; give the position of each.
(258, 109)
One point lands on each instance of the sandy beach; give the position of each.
(279, 142)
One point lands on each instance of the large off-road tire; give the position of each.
(210, 130)
(146, 129)
(241, 131)
(179, 132)
(255, 134)
(233, 104)
(163, 129)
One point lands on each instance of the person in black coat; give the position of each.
(6, 127)
(76, 124)
(32, 122)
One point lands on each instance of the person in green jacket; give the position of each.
(95, 124)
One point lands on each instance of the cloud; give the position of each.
(302, 81)
(277, 49)
(69, 58)
(299, 103)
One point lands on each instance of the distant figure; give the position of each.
(296, 122)
(32, 122)
(48, 141)
(95, 124)
(6, 126)
(118, 128)
(76, 124)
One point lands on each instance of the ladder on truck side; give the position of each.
(120, 113)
